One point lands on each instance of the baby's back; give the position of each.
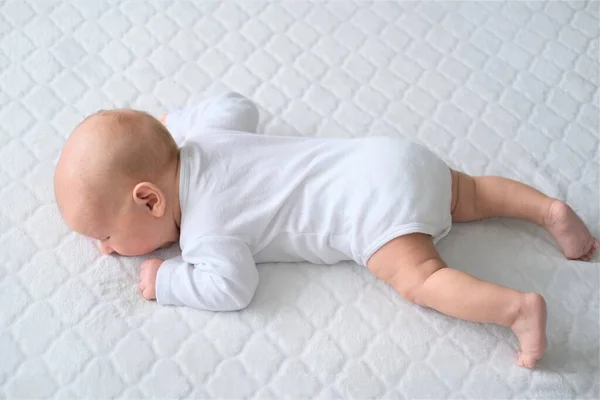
(306, 199)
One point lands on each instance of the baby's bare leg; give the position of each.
(413, 267)
(481, 197)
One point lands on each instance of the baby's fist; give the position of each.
(148, 272)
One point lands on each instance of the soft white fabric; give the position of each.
(249, 198)
(228, 111)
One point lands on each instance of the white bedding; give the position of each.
(494, 88)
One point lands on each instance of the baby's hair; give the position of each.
(144, 147)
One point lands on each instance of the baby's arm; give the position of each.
(230, 111)
(217, 275)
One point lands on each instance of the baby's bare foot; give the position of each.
(530, 328)
(570, 232)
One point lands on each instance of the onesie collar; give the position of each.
(184, 174)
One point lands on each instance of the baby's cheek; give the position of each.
(139, 242)
(145, 246)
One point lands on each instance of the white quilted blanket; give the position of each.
(496, 88)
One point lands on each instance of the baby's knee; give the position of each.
(412, 290)
(409, 280)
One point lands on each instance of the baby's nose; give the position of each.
(106, 248)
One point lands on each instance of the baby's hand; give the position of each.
(148, 272)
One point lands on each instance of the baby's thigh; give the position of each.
(406, 262)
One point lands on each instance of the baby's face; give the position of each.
(131, 233)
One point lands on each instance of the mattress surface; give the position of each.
(493, 88)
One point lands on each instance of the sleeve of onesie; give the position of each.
(217, 274)
(229, 111)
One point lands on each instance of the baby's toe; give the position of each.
(590, 254)
(587, 256)
(526, 361)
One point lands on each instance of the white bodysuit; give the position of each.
(248, 198)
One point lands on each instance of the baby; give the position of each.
(233, 199)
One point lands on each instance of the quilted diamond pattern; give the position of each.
(495, 88)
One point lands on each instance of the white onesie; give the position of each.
(248, 198)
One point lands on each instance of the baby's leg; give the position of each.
(481, 197)
(413, 267)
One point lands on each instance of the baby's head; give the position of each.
(117, 181)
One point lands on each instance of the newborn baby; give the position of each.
(233, 199)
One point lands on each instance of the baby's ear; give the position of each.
(149, 196)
